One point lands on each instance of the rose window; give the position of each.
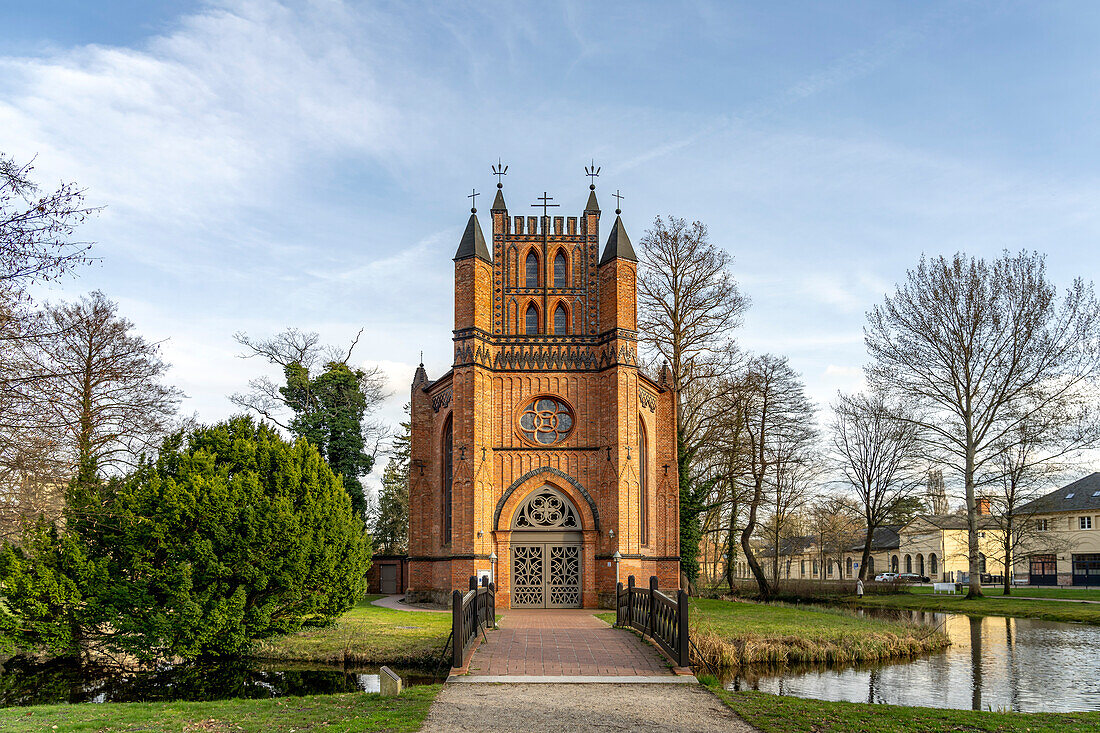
(546, 421)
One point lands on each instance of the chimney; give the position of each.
(982, 504)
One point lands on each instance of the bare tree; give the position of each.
(779, 433)
(689, 305)
(104, 390)
(878, 454)
(1030, 462)
(837, 525)
(36, 246)
(974, 348)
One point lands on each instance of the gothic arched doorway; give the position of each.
(546, 550)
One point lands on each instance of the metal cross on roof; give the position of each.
(618, 199)
(592, 171)
(500, 170)
(545, 205)
(473, 199)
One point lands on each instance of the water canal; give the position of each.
(993, 663)
(23, 682)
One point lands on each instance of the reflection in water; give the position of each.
(23, 682)
(993, 663)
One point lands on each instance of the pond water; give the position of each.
(993, 663)
(23, 682)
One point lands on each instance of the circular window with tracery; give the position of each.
(546, 421)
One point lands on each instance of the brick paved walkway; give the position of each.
(563, 642)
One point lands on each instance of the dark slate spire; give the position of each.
(498, 202)
(618, 244)
(420, 376)
(593, 204)
(473, 241)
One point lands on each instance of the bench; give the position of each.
(943, 588)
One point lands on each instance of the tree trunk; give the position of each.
(972, 528)
(1008, 555)
(862, 575)
(731, 546)
(746, 546)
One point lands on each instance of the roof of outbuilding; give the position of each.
(1082, 495)
(885, 538)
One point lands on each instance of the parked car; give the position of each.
(886, 578)
(912, 578)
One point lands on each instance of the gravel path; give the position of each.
(571, 708)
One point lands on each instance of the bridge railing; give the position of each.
(656, 615)
(471, 612)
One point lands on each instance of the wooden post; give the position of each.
(683, 648)
(473, 582)
(618, 604)
(459, 637)
(649, 622)
(630, 600)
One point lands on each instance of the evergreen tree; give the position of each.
(234, 534)
(391, 520)
(330, 406)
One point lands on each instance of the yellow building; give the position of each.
(1062, 544)
(936, 546)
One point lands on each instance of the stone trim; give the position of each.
(553, 472)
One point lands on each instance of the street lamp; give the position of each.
(616, 557)
(493, 567)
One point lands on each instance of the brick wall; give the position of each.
(498, 369)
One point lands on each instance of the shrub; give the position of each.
(232, 535)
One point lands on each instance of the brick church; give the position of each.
(544, 457)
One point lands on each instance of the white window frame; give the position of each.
(1084, 522)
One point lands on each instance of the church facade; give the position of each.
(544, 458)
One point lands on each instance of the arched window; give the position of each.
(894, 563)
(532, 276)
(643, 485)
(848, 567)
(448, 477)
(908, 563)
(532, 319)
(560, 271)
(920, 564)
(561, 320)
(933, 565)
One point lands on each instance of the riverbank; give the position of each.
(782, 714)
(367, 635)
(1052, 609)
(348, 712)
(731, 634)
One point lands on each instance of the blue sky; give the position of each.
(269, 164)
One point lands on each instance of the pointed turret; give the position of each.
(473, 241)
(420, 377)
(593, 204)
(498, 202)
(618, 244)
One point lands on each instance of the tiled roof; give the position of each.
(1081, 495)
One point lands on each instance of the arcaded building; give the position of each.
(545, 450)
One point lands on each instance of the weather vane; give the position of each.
(500, 170)
(618, 201)
(592, 171)
(545, 203)
(473, 200)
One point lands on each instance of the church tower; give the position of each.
(545, 452)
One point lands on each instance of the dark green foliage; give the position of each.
(905, 510)
(390, 524)
(328, 412)
(691, 506)
(232, 535)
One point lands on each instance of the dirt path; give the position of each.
(570, 708)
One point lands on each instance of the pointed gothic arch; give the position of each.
(561, 319)
(531, 269)
(531, 320)
(561, 269)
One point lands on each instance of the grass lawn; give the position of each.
(732, 634)
(782, 714)
(990, 605)
(366, 635)
(331, 713)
